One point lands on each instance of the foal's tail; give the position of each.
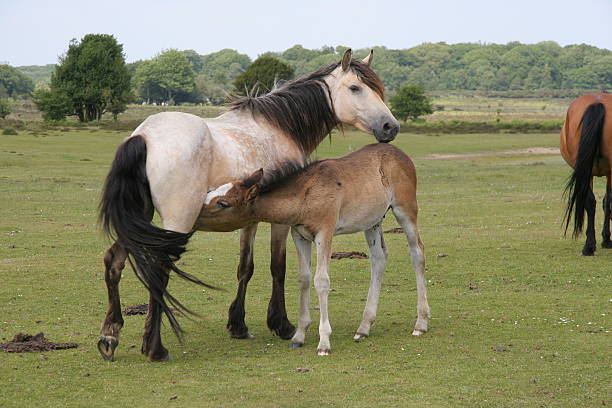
(125, 213)
(578, 186)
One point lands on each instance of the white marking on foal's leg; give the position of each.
(378, 258)
(303, 247)
(321, 283)
(217, 192)
(417, 256)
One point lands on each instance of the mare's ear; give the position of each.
(253, 178)
(346, 59)
(368, 60)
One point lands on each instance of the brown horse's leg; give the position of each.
(277, 314)
(152, 346)
(235, 323)
(607, 201)
(590, 244)
(114, 262)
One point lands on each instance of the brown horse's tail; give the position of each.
(125, 213)
(578, 187)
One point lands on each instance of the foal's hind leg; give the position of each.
(378, 259)
(277, 313)
(607, 201)
(235, 322)
(114, 262)
(407, 219)
(590, 244)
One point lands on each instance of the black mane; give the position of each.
(302, 107)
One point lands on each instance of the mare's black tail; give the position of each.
(579, 185)
(125, 213)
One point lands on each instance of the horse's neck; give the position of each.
(281, 206)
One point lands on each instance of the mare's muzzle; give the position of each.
(386, 129)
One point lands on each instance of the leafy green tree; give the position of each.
(13, 82)
(265, 72)
(92, 75)
(410, 102)
(5, 109)
(167, 77)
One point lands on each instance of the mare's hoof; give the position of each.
(295, 344)
(587, 253)
(245, 336)
(417, 332)
(107, 346)
(323, 352)
(166, 357)
(606, 244)
(360, 336)
(286, 332)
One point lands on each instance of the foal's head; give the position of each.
(227, 207)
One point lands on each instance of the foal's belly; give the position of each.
(357, 219)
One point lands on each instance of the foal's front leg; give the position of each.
(321, 283)
(378, 259)
(303, 247)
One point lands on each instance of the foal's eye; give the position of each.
(354, 88)
(222, 204)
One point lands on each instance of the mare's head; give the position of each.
(226, 208)
(357, 95)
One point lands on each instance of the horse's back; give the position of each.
(571, 130)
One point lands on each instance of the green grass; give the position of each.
(497, 218)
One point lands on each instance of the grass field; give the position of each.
(518, 318)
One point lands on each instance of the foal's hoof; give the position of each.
(360, 336)
(417, 332)
(107, 346)
(606, 244)
(245, 336)
(295, 344)
(323, 352)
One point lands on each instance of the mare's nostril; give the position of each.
(386, 126)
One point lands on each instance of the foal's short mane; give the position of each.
(301, 108)
(284, 173)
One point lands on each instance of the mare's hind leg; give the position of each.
(607, 201)
(378, 259)
(407, 218)
(590, 244)
(277, 314)
(114, 262)
(235, 323)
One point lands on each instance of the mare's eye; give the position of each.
(354, 88)
(222, 204)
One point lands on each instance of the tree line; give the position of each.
(175, 76)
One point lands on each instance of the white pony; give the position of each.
(173, 159)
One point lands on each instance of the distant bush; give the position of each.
(9, 131)
(459, 126)
(5, 109)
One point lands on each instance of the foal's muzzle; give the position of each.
(386, 130)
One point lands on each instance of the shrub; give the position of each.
(9, 131)
(5, 109)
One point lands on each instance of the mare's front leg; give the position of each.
(303, 247)
(378, 259)
(114, 262)
(590, 244)
(277, 313)
(323, 241)
(407, 218)
(607, 201)
(235, 323)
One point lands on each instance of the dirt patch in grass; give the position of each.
(517, 152)
(398, 230)
(349, 255)
(26, 343)
(136, 310)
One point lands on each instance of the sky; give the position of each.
(36, 32)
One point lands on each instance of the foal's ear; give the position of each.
(368, 60)
(346, 59)
(253, 179)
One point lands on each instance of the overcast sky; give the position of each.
(36, 32)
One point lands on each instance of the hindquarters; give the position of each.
(588, 160)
